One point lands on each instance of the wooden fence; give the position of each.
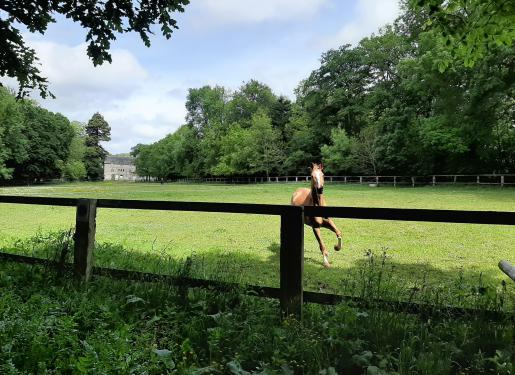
(431, 180)
(290, 293)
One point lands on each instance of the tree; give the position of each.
(97, 130)
(13, 141)
(338, 155)
(143, 161)
(302, 142)
(48, 140)
(74, 167)
(235, 152)
(102, 19)
(251, 97)
(205, 107)
(266, 146)
(280, 114)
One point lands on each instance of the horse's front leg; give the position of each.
(329, 224)
(316, 231)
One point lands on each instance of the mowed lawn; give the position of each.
(246, 246)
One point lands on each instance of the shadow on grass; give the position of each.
(373, 276)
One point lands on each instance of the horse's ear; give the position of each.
(321, 166)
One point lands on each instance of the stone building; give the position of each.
(118, 168)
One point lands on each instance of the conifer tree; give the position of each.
(97, 130)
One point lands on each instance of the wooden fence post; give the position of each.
(394, 181)
(85, 226)
(292, 261)
(434, 180)
(413, 181)
(502, 181)
(477, 180)
(360, 180)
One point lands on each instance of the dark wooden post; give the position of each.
(292, 261)
(85, 225)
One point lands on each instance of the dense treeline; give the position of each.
(38, 145)
(393, 104)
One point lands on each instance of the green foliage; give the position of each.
(49, 136)
(235, 148)
(248, 100)
(266, 145)
(74, 168)
(338, 155)
(36, 144)
(13, 142)
(468, 30)
(101, 19)
(206, 107)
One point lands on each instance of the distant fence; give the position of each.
(291, 258)
(432, 180)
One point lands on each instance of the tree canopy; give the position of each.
(102, 20)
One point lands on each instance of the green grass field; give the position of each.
(246, 246)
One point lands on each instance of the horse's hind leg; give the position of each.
(329, 224)
(316, 231)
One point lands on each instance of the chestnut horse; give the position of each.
(315, 197)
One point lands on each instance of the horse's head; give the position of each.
(317, 176)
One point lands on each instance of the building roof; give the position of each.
(120, 160)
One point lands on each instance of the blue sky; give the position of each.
(225, 42)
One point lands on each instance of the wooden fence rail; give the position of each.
(290, 292)
(433, 180)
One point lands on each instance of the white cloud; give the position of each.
(139, 107)
(67, 67)
(223, 12)
(369, 16)
(144, 117)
